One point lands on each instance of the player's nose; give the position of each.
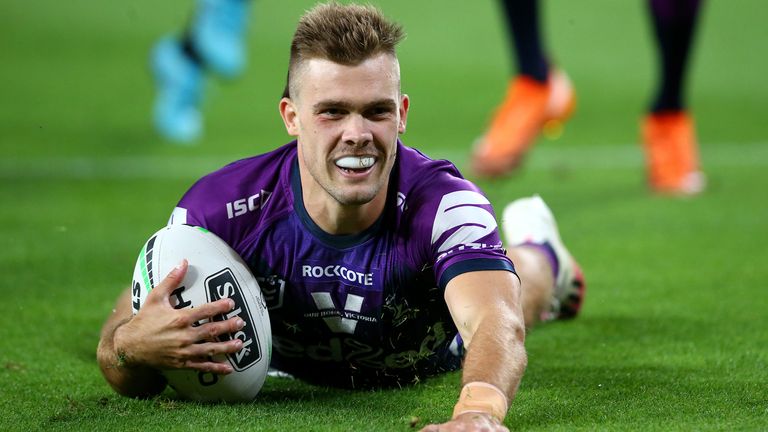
(357, 131)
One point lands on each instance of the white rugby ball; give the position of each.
(215, 271)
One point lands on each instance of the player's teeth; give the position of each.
(353, 162)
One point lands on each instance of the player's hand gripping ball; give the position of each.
(215, 272)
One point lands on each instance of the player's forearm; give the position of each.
(492, 326)
(493, 367)
(497, 352)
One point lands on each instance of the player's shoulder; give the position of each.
(262, 169)
(427, 181)
(412, 158)
(434, 198)
(242, 189)
(451, 224)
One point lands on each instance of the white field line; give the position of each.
(597, 157)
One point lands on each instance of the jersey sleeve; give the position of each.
(458, 230)
(465, 237)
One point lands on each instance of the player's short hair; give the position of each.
(344, 34)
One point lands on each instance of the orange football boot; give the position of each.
(529, 107)
(671, 152)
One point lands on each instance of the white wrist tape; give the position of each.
(481, 397)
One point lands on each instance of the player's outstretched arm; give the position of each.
(132, 349)
(486, 307)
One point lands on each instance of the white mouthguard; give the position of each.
(352, 162)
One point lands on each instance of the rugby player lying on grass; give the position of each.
(380, 266)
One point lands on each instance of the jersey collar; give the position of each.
(342, 241)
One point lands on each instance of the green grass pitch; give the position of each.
(674, 333)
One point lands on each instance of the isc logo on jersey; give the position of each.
(453, 214)
(244, 205)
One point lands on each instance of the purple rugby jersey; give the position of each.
(362, 310)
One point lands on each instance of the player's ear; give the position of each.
(403, 111)
(290, 116)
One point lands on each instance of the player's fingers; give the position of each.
(207, 310)
(211, 330)
(206, 350)
(209, 366)
(169, 283)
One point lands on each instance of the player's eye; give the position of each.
(331, 112)
(379, 112)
